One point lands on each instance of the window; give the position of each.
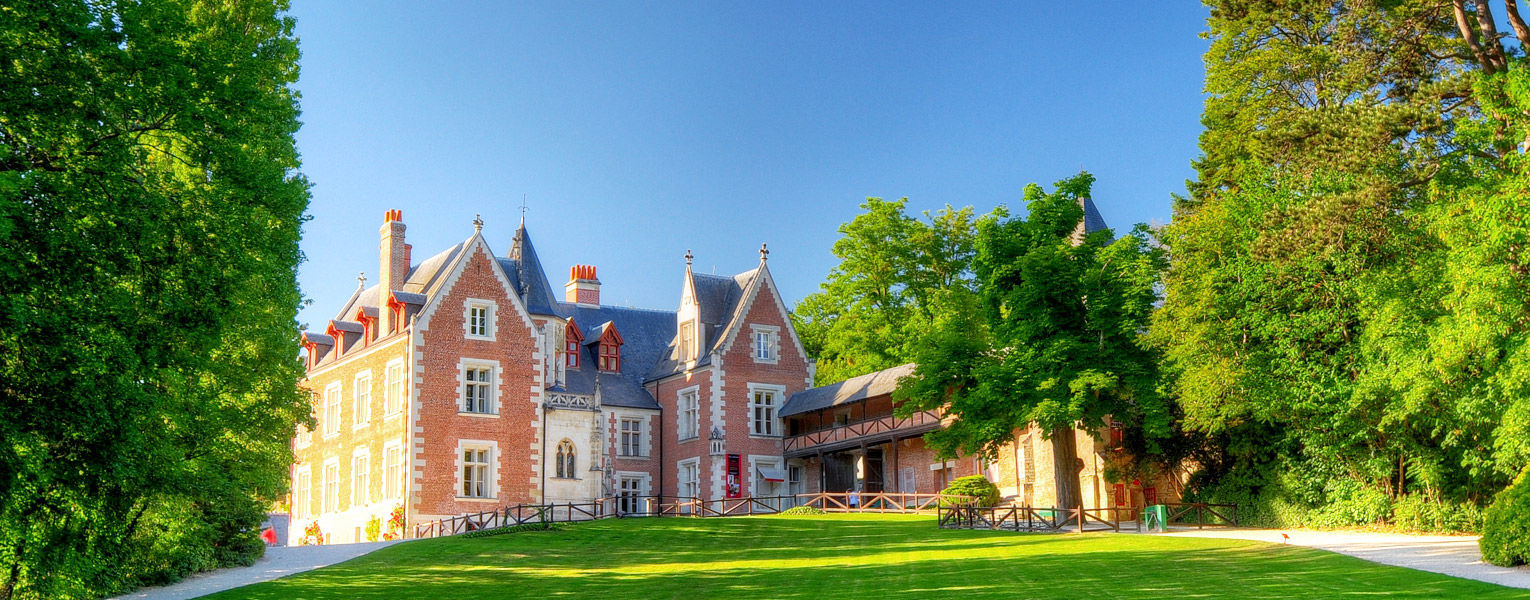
(631, 437)
(475, 472)
(304, 436)
(476, 385)
(629, 490)
(571, 344)
(361, 479)
(610, 356)
(690, 415)
(361, 400)
(794, 479)
(478, 321)
(565, 460)
(331, 488)
(762, 411)
(393, 471)
(332, 409)
(395, 394)
(690, 479)
(302, 495)
(688, 340)
(766, 338)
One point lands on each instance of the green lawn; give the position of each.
(851, 556)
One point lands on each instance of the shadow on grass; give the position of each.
(832, 557)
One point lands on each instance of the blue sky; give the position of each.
(635, 131)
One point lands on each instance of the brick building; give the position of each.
(464, 382)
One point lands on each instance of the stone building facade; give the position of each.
(463, 382)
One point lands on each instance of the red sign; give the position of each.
(734, 489)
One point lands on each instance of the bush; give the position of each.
(1506, 525)
(1416, 512)
(976, 486)
(514, 529)
(374, 529)
(802, 510)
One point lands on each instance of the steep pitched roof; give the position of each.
(721, 302)
(1092, 220)
(849, 391)
(525, 270)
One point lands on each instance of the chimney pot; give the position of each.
(582, 287)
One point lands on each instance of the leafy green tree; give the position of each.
(1346, 301)
(150, 211)
(1054, 339)
(896, 273)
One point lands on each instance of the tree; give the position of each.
(150, 211)
(1053, 339)
(896, 273)
(1346, 295)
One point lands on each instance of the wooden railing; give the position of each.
(1027, 518)
(1225, 514)
(671, 506)
(863, 428)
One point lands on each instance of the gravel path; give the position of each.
(1454, 555)
(278, 562)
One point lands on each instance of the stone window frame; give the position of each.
(680, 414)
(492, 366)
(364, 456)
(332, 395)
(566, 460)
(361, 385)
(329, 501)
(767, 338)
(778, 396)
(490, 474)
(302, 492)
(395, 391)
(393, 487)
(490, 324)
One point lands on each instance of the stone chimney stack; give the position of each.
(393, 265)
(582, 287)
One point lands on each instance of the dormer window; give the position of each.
(572, 339)
(688, 340)
(610, 351)
(610, 357)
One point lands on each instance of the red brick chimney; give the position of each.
(582, 287)
(393, 265)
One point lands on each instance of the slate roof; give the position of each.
(721, 300)
(525, 270)
(646, 336)
(1092, 220)
(849, 391)
(421, 281)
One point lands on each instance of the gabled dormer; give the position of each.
(367, 316)
(345, 334)
(401, 306)
(608, 344)
(689, 338)
(571, 344)
(317, 345)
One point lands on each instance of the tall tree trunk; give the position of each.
(1065, 468)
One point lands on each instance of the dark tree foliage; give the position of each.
(150, 210)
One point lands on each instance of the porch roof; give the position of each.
(849, 391)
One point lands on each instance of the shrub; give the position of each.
(514, 529)
(976, 486)
(802, 510)
(1506, 525)
(374, 529)
(1416, 512)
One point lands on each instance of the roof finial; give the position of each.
(361, 280)
(523, 210)
(688, 257)
(477, 223)
(764, 252)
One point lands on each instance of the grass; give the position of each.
(851, 556)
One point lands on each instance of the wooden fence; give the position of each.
(1027, 518)
(671, 506)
